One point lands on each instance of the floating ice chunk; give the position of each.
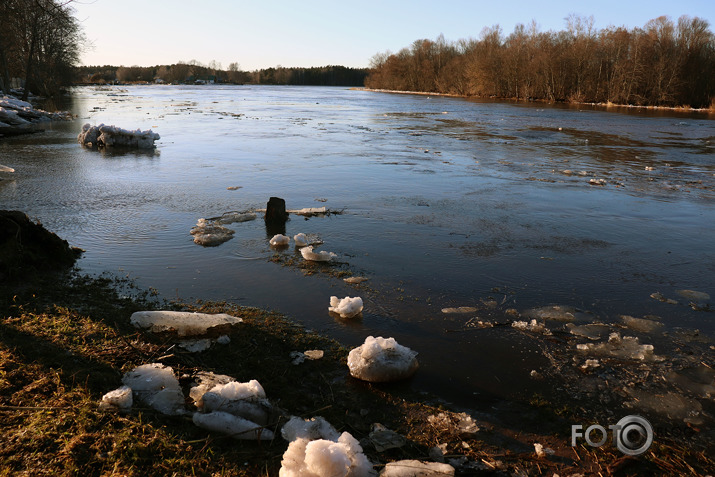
(626, 347)
(354, 280)
(106, 136)
(319, 458)
(6, 169)
(699, 380)
(381, 360)
(597, 182)
(553, 313)
(321, 256)
(209, 234)
(300, 240)
(533, 326)
(649, 168)
(120, 398)
(592, 331)
(310, 429)
(308, 211)
(234, 426)
(461, 309)
(314, 354)
(184, 323)
(693, 295)
(455, 424)
(590, 364)
(347, 307)
(155, 385)
(279, 240)
(641, 324)
(383, 438)
(416, 468)
(659, 296)
(542, 451)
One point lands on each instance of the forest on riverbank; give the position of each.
(665, 63)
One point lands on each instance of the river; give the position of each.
(444, 202)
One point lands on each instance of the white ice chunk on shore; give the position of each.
(155, 385)
(416, 468)
(300, 240)
(279, 240)
(6, 169)
(318, 458)
(120, 398)
(184, 323)
(381, 360)
(107, 136)
(310, 429)
(204, 382)
(626, 347)
(347, 307)
(322, 256)
(234, 426)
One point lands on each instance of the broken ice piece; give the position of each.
(354, 280)
(542, 451)
(592, 331)
(381, 360)
(590, 364)
(234, 426)
(322, 256)
(659, 296)
(300, 240)
(553, 313)
(315, 458)
(626, 347)
(308, 211)
(532, 326)
(310, 429)
(296, 357)
(641, 324)
(279, 240)
(155, 385)
(461, 309)
(314, 354)
(696, 296)
(184, 323)
(597, 182)
(416, 468)
(196, 346)
(348, 307)
(120, 398)
(383, 438)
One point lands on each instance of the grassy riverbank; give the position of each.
(65, 340)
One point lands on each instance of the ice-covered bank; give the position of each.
(108, 136)
(20, 117)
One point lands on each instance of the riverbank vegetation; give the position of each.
(665, 63)
(193, 72)
(40, 43)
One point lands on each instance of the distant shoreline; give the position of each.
(683, 109)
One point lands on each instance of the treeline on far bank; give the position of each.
(194, 72)
(665, 63)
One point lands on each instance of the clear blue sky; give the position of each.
(260, 34)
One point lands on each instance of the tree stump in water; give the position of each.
(276, 215)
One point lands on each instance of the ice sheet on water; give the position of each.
(645, 325)
(626, 347)
(348, 307)
(183, 323)
(308, 211)
(669, 404)
(697, 380)
(553, 313)
(460, 309)
(696, 296)
(233, 217)
(381, 360)
(533, 326)
(592, 331)
(209, 234)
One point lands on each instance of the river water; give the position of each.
(445, 202)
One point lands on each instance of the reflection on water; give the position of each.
(446, 203)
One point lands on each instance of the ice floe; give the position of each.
(347, 307)
(533, 326)
(461, 309)
(308, 211)
(381, 360)
(6, 169)
(311, 429)
(183, 323)
(210, 234)
(626, 347)
(322, 256)
(156, 386)
(641, 324)
(108, 136)
(553, 313)
(672, 405)
(245, 400)
(354, 280)
(693, 295)
(592, 331)
(233, 217)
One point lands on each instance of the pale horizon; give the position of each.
(321, 33)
